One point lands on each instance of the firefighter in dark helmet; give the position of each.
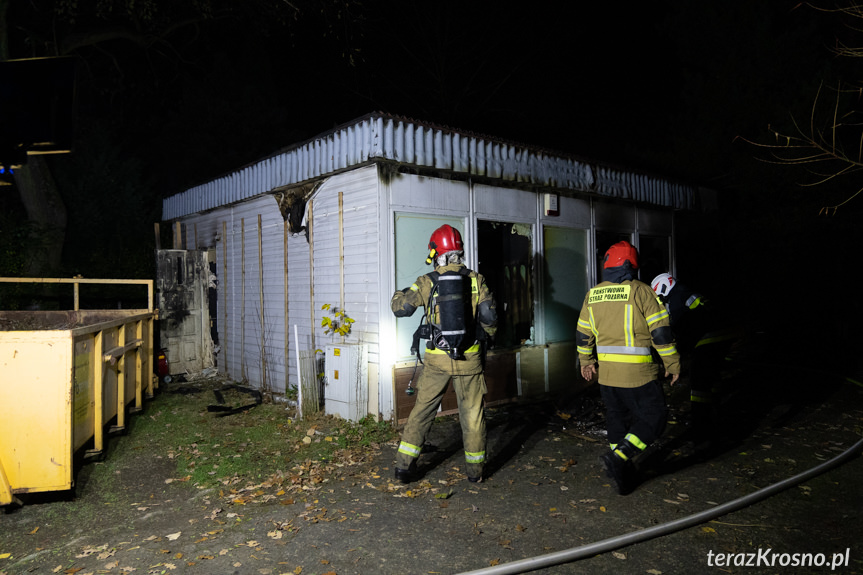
(705, 334)
(621, 319)
(459, 314)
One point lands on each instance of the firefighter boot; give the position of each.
(704, 425)
(620, 471)
(619, 466)
(407, 475)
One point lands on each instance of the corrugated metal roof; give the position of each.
(423, 145)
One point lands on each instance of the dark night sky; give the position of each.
(662, 86)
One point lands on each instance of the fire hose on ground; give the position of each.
(612, 543)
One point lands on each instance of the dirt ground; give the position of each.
(546, 493)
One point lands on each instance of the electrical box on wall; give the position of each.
(551, 204)
(346, 393)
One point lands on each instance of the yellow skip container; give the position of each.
(64, 375)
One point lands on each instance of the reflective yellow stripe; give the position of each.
(472, 349)
(584, 350)
(474, 288)
(716, 337)
(408, 449)
(583, 323)
(621, 454)
(415, 287)
(592, 322)
(652, 319)
(622, 358)
(474, 457)
(666, 350)
(633, 439)
(628, 335)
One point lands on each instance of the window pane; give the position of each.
(565, 281)
(411, 250)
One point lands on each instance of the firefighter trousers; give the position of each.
(635, 414)
(431, 386)
(706, 387)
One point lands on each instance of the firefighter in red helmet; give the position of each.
(620, 321)
(459, 316)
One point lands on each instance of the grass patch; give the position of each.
(210, 449)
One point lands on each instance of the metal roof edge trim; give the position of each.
(425, 145)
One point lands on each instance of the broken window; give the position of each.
(654, 254)
(505, 254)
(605, 240)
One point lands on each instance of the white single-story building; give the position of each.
(344, 219)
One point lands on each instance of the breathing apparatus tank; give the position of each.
(451, 305)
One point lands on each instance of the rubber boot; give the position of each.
(407, 475)
(620, 471)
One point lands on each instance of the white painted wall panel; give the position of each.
(418, 193)
(504, 203)
(359, 270)
(573, 212)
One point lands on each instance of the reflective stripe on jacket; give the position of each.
(620, 323)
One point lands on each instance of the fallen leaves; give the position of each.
(181, 479)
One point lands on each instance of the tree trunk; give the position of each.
(46, 212)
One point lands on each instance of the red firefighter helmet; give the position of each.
(620, 253)
(445, 239)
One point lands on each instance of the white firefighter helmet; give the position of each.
(663, 284)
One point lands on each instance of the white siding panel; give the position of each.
(504, 203)
(420, 193)
(574, 212)
(360, 269)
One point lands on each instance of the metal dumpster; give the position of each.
(64, 375)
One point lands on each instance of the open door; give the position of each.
(184, 282)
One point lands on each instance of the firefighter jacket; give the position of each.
(697, 321)
(405, 302)
(691, 316)
(619, 323)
